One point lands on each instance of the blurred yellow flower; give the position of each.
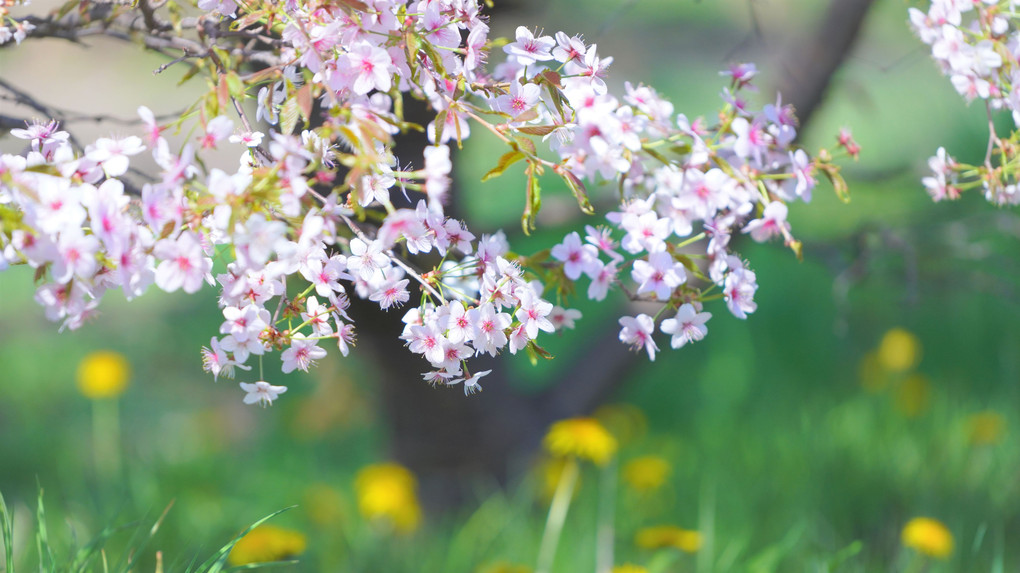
(985, 428)
(626, 422)
(913, 394)
(899, 350)
(584, 438)
(103, 374)
(928, 536)
(267, 543)
(387, 492)
(668, 536)
(629, 568)
(646, 473)
(504, 567)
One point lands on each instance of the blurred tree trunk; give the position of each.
(809, 64)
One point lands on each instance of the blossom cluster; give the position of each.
(976, 43)
(311, 217)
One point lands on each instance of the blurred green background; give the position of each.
(790, 446)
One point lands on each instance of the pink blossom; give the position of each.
(369, 67)
(184, 263)
(471, 384)
(112, 154)
(772, 223)
(660, 274)
(261, 392)
(533, 313)
(688, 325)
(562, 318)
(637, 332)
(489, 328)
(575, 256)
(301, 354)
(528, 49)
(218, 129)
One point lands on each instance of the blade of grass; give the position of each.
(84, 555)
(136, 553)
(7, 535)
(42, 538)
(215, 563)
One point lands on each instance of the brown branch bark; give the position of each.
(809, 65)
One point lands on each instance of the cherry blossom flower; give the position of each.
(392, 290)
(772, 223)
(576, 257)
(369, 66)
(112, 154)
(527, 49)
(471, 384)
(490, 326)
(301, 354)
(687, 326)
(184, 263)
(533, 313)
(215, 360)
(660, 274)
(562, 318)
(249, 139)
(262, 392)
(637, 332)
(218, 129)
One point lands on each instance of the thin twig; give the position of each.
(389, 253)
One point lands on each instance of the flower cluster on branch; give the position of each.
(976, 43)
(319, 208)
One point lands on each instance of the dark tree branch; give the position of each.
(808, 65)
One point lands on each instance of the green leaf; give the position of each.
(524, 144)
(222, 91)
(304, 99)
(578, 189)
(194, 69)
(290, 114)
(838, 184)
(508, 159)
(234, 85)
(440, 125)
(533, 201)
(540, 130)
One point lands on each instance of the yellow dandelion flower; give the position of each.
(267, 543)
(928, 536)
(646, 473)
(629, 568)
(387, 492)
(662, 536)
(986, 428)
(913, 395)
(103, 374)
(583, 438)
(899, 350)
